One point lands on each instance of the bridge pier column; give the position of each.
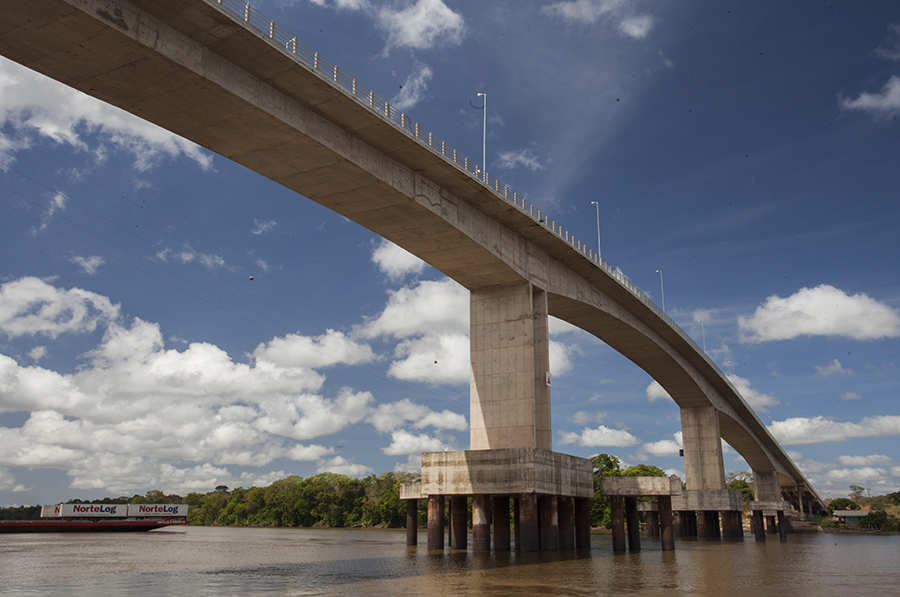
(458, 527)
(703, 464)
(500, 516)
(633, 521)
(666, 527)
(617, 520)
(759, 525)
(435, 522)
(652, 524)
(481, 523)
(527, 532)
(566, 515)
(582, 523)
(782, 524)
(412, 522)
(549, 521)
(509, 395)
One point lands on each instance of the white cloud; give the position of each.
(833, 368)
(891, 50)
(341, 466)
(656, 392)
(872, 459)
(261, 227)
(862, 474)
(636, 27)
(799, 430)
(190, 255)
(591, 11)
(602, 436)
(296, 350)
(90, 265)
(820, 311)
(34, 105)
(413, 89)
(31, 307)
(851, 396)
(8, 481)
(665, 447)
(508, 160)
(421, 25)
(884, 104)
(404, 442)
(37, 353)
(396, 262)
(583, 417)
(756, 399)
(389, 416)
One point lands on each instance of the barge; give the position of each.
(94, 518)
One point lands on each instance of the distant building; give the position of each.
(849, 516)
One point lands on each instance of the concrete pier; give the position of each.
(622, 493)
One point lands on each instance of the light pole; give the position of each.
(662, 289)
(598, 229)
(483, 97)
(703, 333)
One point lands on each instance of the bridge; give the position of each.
(220, 74)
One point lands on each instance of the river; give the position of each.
(362, 562)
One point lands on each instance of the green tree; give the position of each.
(741, 481)
(842, 504)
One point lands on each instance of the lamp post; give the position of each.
(598, 229)
(703, 333)
(662, 289)
(483, 96)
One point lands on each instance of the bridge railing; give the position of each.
(330, 72)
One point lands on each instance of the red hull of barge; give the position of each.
(84, 526)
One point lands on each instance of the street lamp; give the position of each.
(662, 289)
(598, 228)
(703, 332)
(483, 96)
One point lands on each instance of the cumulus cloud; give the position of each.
(390, 416)
(602, 436)
(851, 396)
(799, 430)
(395, 262)
(341, 466)
(34, 106)
(872, 459)
(421, 25)
(296, 350)
(820, 311)
(404, 442)
(665, 447)
(883, 104)
(30, 307)
(833, 368)
(656, 392)
(890, 50)
(636, 27)
(188, 254)
(413, 89)
(756, 399)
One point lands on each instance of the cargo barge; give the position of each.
(100, 518)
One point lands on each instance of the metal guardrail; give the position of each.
(330, 72)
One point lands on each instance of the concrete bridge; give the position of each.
(220, 74)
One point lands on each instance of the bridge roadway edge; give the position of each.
(260, 105)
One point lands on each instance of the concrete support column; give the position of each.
(703, 465)
(652, 524)
(509, 399)
(481, 523)
(617, 519)
(582, 523)
(435, 522)
(517, 522)
(713, 530)
(633, 520)
(412, 522)
(766, 486)
(527, 538)
(771, 526)
(458, 526)
(688, 523)
(666, 526)
(500, 516)
(549, 517)
(759, 527)
(782, 525)
(731, 525)
(702, 521)
(566, 515)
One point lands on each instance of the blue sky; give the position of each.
(748, 152)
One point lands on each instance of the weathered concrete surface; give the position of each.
(640, 486)
(708, 500)
(506, 472)
(194, 70)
